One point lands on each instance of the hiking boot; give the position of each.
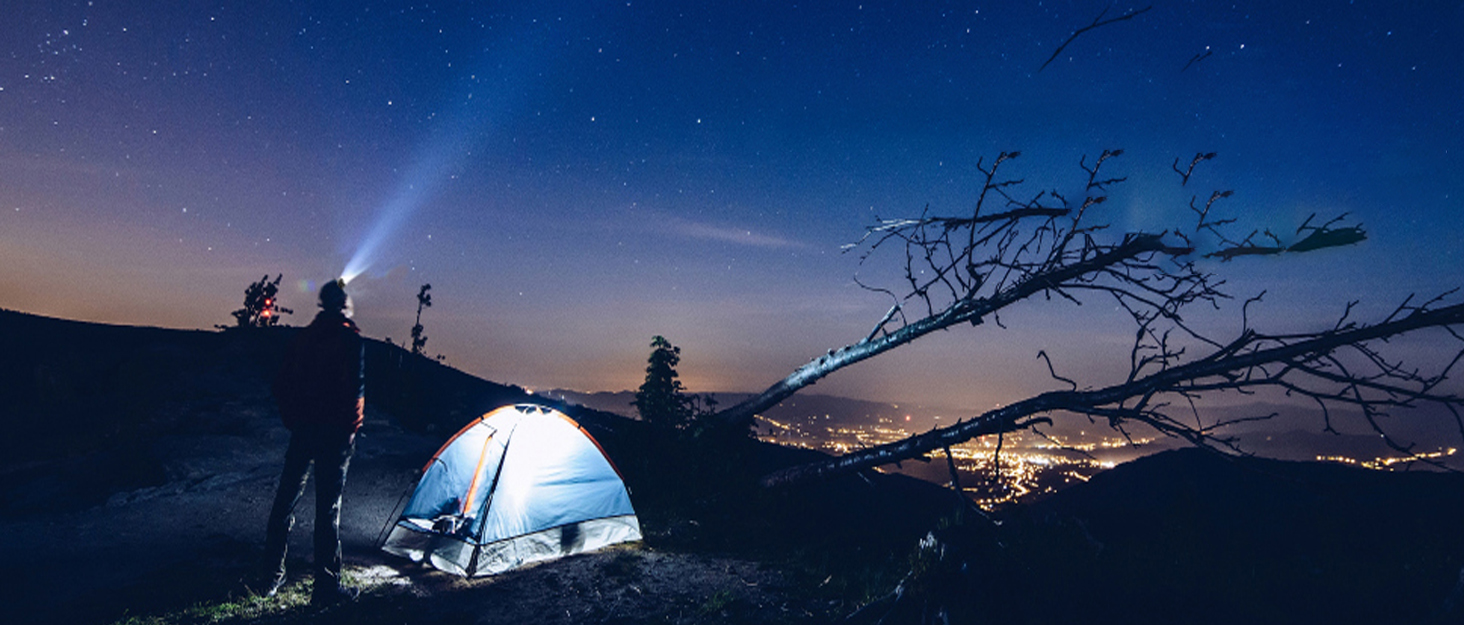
(331, 596)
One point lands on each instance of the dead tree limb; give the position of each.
(1010, 248)
(1199, 56)
(1097, 21)
(1184, 175)
(955, 283)
(1135, 249)
(1252, 360)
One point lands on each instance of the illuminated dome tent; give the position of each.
(520, 484)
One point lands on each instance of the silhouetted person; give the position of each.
(320, 393)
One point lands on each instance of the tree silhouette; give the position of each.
(661, 400)
(965, 270)
(424, 300)
(261, 309)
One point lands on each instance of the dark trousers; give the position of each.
(331, 455)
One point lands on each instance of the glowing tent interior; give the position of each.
(520, 484)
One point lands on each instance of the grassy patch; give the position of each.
(290, 598)
(718, 602)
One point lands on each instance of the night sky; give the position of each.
(573, 178)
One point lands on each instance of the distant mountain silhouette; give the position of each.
(830, 410)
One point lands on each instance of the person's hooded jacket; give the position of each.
(320, 387)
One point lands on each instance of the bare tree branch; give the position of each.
(1037, 245)
(1252, 360)
(1184, 175)
(1097, 21)
(962, 311)
(1199, 56)
(1325, 235)
(1053, 372)
(1011, 248)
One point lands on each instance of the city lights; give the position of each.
(1388, 463)
(1028, 466)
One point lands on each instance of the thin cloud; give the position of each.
(728, 234)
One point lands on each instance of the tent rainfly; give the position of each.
(520, 484)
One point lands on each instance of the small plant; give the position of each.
(419, 340)
(261, 308)
(719, 601)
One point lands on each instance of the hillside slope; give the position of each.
(140, 463)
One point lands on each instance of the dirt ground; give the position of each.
(196, 538)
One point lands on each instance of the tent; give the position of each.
(520, 484)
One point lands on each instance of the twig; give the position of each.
(1197, 58)
(1184, 176)
(1097, 21)
(1053, 372)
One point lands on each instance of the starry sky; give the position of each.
(573, 178)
